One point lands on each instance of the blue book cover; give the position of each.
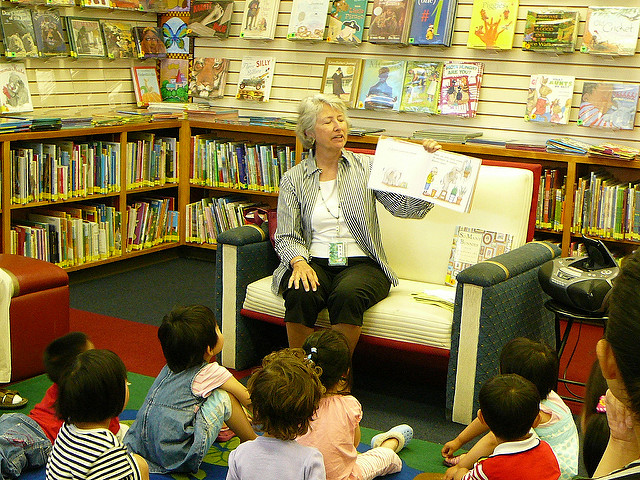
(381, 84)
(432, 22)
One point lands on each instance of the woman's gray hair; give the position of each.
(308, 111)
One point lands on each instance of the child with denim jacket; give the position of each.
(191, 398)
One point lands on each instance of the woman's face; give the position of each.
(331, 128)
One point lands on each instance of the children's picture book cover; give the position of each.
(460, 88)
(118, 38)
(95, 3)
(549, 98)
(176, 5)
(259, 19)
(145, 85)
(390, 21)
(17, 33)
(174, 34)
(255, 78)
(608, 105)
(474, 245)
(173, 79)
(49, 33)
(381, 84)
(16, 96)
(341, 78)
(85, 37)
(208, 77)
(345, 22)
(421, 89)
(432, 22)
(126, 4)
(149, 42)
(210, 18)
(308, 19)
(493, 24)
(551, 31)
(611, 30)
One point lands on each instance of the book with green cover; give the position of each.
(551, 31)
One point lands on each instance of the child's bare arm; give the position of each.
(235, 388)
(143, 466)
(483, 448)
(471, 431)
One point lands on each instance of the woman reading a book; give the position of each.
(328, 238)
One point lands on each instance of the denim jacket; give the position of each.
(168, 430)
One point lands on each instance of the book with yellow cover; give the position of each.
(493, 24)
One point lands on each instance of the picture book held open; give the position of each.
(444, 178)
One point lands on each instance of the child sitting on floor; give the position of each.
(510, 407)
(26, 440)
(191, 398)
(538, 363)
(335, 428)
(285, 393)
(92, 392)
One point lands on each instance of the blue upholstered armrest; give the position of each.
(244, 235)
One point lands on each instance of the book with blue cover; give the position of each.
(381, 84)
(432, 22)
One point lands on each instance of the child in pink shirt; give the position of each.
(335, 428)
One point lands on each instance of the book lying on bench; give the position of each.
(444, 178)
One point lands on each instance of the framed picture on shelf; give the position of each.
(145, 85)
(85, 37)
(341, 77)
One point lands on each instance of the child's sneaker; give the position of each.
(403, 433)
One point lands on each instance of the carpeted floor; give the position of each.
(418, 456)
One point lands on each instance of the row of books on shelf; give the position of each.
(220, 162)
(152, 160)
(207, 218)
(72, 235)
(140, 5)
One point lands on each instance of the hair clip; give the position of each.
(312, 350)
(601, 407)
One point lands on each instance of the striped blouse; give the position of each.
(299, 189)
(90, 454)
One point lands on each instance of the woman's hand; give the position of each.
(431, 145)
(303, 274)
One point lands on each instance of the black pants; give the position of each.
(346, 291)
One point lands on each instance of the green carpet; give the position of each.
(419, 455)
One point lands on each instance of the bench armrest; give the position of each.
(496, 300)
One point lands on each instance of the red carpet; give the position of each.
(136, 343)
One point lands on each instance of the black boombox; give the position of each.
(581, 283)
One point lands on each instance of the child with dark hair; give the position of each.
(538, 363)
(191, 398)
(510, 408)
(26, 440)
(335, 429)
(593, 420)
(285, 394)
(92, 392)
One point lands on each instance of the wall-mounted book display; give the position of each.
(49, 33)
(259, 19)
(549, 98)
(173, 79)
(208, 77)
(432, 22)
(210, 18)
(15, 95)
(345, 22)
(390, 21)
(493, 24)
(96, 3)
(149, 42)
(255, 77)
(145, 85)
(421, 88)
(17, 33)
(608, 105)
(381, 84)
(341, 77)
(174, 34)
(308, 19)
(611, 30)
(118, 39)
(460, 88)
(551, 31)
(85, 37)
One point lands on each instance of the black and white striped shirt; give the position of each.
(297, 198)
(90, 454)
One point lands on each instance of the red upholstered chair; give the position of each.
(39, 311)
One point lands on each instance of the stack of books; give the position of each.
(205, 112)
(12, 125)
(444, 135)
(568, 146)
(39, 121)
(612, 150)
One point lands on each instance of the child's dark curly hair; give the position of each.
(285, 393)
